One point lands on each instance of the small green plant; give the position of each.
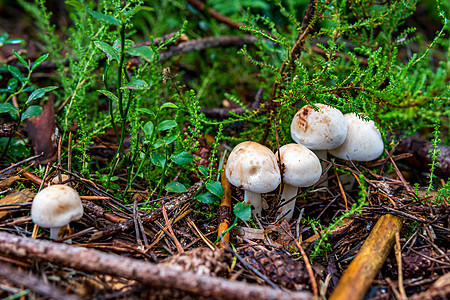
(434, 153)
(321, 245)
(17, 86)
(443, 194)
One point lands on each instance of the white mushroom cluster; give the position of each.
(254, 167)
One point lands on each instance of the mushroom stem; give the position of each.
(55, 233)
(255, 200)
(287, 210)
(322, 155)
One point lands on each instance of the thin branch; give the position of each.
(199, 5)
(205, 43)
(149, 274)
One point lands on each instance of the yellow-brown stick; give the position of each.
(358, 277)
(224, 209)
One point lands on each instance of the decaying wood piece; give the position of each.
(152, 275)
(358, 277)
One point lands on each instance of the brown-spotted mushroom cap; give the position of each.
(320, 129)
(56, 206)
(253, 167)
(363, 141)
(301, 169)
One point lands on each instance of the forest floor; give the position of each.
(179, 250)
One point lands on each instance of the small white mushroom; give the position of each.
(301, 169)
(363, 141)
(253, 167)
(55, 207)
(64, 178)
(319, 130)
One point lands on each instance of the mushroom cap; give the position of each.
(301, 166)
(319, 130)
(56, 206)
(64, 177)
(253, 167)
(363, 141)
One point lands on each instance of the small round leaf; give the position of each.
(148, 128)
(175, 187)
(182, 158)
(243, 211)
(206, 197)
(215, 188)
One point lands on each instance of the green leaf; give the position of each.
(110, 52)
(137, 84)
(206, 197)
(16, 73)
(215, 188)
(134, 11)
(148, 128)
(203, 170)
(40, 92)
(175, 187)
(182, 158)
(171, 138)
(39, 61)
(3, 38)
(10, 109)
(158, 144)
(110, 95)
(32, 111)
(128, 44)
(168, 105)
(158, 159)
(147, 111)
(143, 51)
(12, 84)
(20, 58)
(166, 125)
(243, 211)
(75, 3)
(108, 19)
(14, 41)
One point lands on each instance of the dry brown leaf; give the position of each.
(250, 233)
(7, 182)
(22, 196)
(41, 131)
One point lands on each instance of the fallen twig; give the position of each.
(152, 275)
(358, 277)
(21, 162)
(33, 283)
(153, 215)
(205, 43)
(199, 5)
